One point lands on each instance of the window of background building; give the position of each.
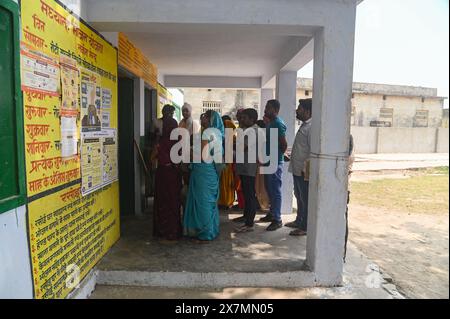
(421, 118)
(212, 105)
(387, 116)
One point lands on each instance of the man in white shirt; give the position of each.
(299, 167)
(248, 169)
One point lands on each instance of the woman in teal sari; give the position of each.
(201, 216)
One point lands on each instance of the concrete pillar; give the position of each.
(139, 122)
(286, 93)
(265, 95)
(333, 71)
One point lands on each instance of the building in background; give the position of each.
(445, 118)
(375, 105)
(224, 101)
(177, 102)
(384, 105)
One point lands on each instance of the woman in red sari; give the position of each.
(167, 205)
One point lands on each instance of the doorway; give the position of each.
(126, 145)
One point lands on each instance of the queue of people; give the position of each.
(188, 195)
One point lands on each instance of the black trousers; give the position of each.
(248, 188)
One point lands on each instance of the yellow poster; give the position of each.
(69, 86)
(60, 53)
(51, 35)
(110, 165)
(68, 235)
(69, 106)
(91, 163)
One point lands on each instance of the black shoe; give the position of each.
(266, 219)
(239, 219)
(274, 226)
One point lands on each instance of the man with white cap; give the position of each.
(193, 127)
(188, 122)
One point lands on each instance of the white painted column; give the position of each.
(286, 93)
(331, 111)
(139, 122)
(265, 95)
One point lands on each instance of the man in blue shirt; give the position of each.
(273, 181)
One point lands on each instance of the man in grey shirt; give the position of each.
(248, 169)
(299, 167)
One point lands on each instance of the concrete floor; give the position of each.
(258, 251)
(362, 280)
(276, 254)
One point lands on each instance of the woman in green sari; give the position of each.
(201, 216)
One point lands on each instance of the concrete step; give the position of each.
(291, 279)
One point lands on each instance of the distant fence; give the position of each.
(372, 140)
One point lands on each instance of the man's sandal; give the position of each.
(297, 232)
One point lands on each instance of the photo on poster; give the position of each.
(90, 102)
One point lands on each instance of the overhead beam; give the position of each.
(201, 28)
(251, 12)
(296, 54)
(216, 82)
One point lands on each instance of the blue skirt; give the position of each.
(201, 216)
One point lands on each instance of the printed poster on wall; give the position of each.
(106, 98)
(64, 60)
(69, 136)
(110, 169)
(90, 102)
(46, 164)
(40, 72)
(98, 160)
(91, 162)
(70, 110)
(70, 232)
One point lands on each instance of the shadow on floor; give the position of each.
(258, 251)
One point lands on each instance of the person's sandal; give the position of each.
(297, 232)
(292, 225)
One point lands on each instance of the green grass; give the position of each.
(425, 191)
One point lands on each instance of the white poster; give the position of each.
(69, 136)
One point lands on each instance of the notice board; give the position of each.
(69, 84)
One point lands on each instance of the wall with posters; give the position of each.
(69, 83)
